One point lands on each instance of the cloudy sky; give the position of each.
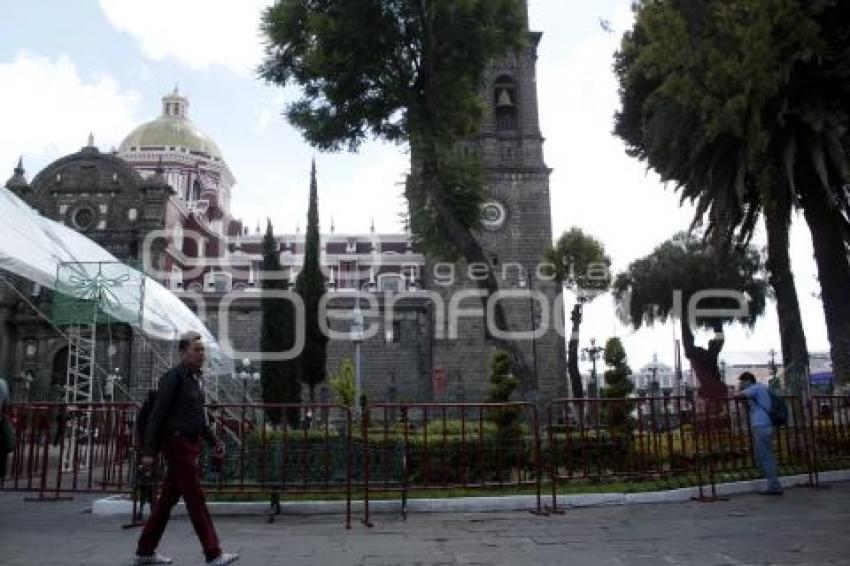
(68, 68)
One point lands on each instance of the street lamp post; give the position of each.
(26, 379)
(654, 391)
(653, 367)
(109, 386)
(357, 338)
(592, 353)
(247, 373)
(772, 366)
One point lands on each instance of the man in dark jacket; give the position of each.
(176, 425)
(5, 448)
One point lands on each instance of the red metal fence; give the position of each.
(448, 446)
(830, 433)
(296, 451)
(671, 439)
(63, 449)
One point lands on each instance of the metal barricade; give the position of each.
(449, 446)
(64, 448)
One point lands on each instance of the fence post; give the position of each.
(44, 425)
(538, 468)
(405, 461)
(348, 466)
(553, 457)
(702, 456)
(811, 423)
(364, 425)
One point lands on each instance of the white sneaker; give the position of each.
(224, 558)
(153, 559)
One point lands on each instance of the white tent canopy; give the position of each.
(35, 247)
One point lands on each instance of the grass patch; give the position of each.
(563, 488)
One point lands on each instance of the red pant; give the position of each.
(183, 478)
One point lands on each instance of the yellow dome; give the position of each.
(171, 129)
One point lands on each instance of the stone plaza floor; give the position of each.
(805, 526)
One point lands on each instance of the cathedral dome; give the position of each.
(172, 130)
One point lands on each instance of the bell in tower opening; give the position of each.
(505, 103)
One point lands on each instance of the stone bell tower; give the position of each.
(517, 228)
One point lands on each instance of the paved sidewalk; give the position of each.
(805, 526)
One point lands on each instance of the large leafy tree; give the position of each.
(279, 378)
(407, 71)
(661, 285)
(744, 105)
(310, 285)
(580, 265)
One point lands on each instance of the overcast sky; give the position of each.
(68, 68)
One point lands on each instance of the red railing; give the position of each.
(673, 439)
(76, 448)
(448, 446)
(830, 432)
(282, 449)
(325, 449)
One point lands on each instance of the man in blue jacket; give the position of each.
(763, 430)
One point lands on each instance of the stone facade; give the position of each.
(518, 228)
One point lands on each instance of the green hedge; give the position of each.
(315, 461)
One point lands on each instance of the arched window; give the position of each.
(196, 190)
(505, 103)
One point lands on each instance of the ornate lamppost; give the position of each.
(592, 353)
(248, 373)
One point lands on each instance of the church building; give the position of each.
(162, 202)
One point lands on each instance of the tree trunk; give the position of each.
(561, 350)
(575, 375)
(795, 354)
(831, 256)
(704, 361)
(473, 252)
(427, 158)
(424, 145)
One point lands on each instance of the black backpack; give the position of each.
(143, 417)
(778, 412)
(145, 412)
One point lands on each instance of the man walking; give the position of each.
(763, 430)
(7, 438)
(176, 425)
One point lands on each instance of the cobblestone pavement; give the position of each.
(803, 527)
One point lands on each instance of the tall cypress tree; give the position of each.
(279, 378)
(310, 284)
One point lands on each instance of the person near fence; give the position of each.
(763, 430)
(61, 423)
(176, 425)
(7, 435)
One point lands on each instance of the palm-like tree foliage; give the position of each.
(744, 106)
